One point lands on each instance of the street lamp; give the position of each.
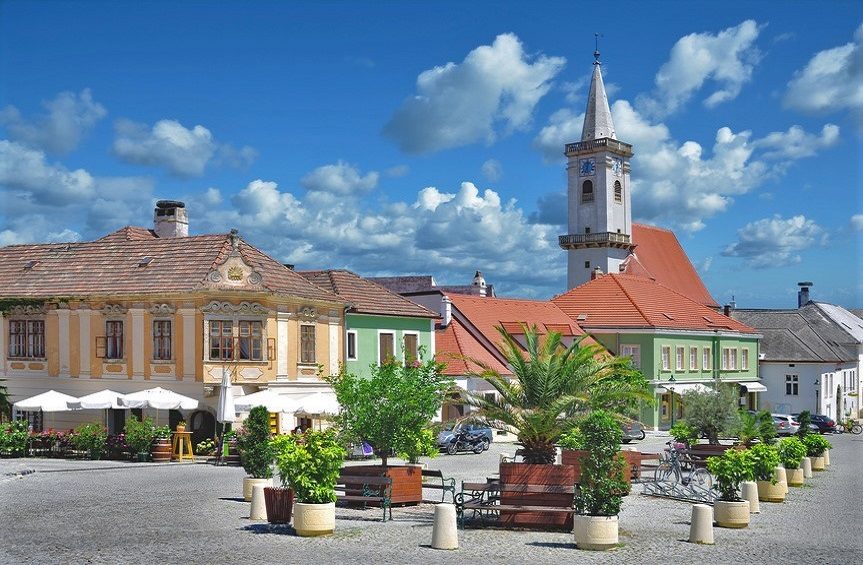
(671, 388)
(817, 391)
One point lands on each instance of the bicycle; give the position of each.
(676, 466)
(851, 427)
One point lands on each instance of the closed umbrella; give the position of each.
(273, 401)
(225, 411)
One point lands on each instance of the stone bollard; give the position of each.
(749, 491)
(781, 477)
(258, 510)
(826, 457)
(807, 468)
(701, 524)
(444, 531)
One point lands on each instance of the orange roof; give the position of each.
(628, 301)
(660, 256)
(454, 345)
(487, 313)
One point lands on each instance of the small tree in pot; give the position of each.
(600, 492)
(711, 412)
(815, 448)
(729, 470)
(310, 464)
(765, 459)
(791, 453)
(683, 433)
(256, 453)
(139, 437)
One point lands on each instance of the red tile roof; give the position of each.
(113, 265)
(455, 346)
(660, 256)
(366, 296)
(628, 301)
(487, 313)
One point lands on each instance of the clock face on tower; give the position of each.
(616, 166)
(587, 167)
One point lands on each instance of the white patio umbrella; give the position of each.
(102, 400)
(319, 403)
(51, 401)
(159, 399)
(226, 411)
(273, 401)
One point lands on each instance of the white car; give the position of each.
(785, 424)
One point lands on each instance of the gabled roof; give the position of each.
(629, 301)
(116, 265)
(406, 283)
(456, 346)
(659, 256)
(487, 313)
(366, 297)
(801, 334)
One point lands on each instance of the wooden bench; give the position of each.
(436, 480)
(699, 453)
(366, 490)
(483, 500)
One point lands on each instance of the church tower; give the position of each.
(600, 212)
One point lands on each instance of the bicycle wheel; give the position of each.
(664, 473)
(701, 480)
(856, 429)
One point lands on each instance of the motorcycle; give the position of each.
(463, 441)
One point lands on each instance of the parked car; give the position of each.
(785, 424)
(445, 436)
(633, 430)
(820, 423)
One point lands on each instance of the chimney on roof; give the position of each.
(803, 294)
(596, 273)
(479, 283)
(170, 220)
(729, 308)
(445, 310)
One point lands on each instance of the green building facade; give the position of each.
(372, 339)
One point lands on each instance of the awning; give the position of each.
(681, 388)
(754, 386)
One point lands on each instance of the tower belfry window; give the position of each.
(587, 191)
(618, 191)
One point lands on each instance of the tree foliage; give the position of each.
(711, 412)
(730, 469)
(310, 464)
(392, 408)
(553, 386)
(253, 441)
(600, 491)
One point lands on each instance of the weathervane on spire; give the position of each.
(596, 52)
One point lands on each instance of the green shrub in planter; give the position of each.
(573, 439)
(804, 419)
(815, 445)
(310, 464)
(602, 485)
(13, 438)
(92, 438)
(765, 458)
(253, 440)
(729, 470)
(162, 432)
(139, 434)
(684, 433)
(791, 452)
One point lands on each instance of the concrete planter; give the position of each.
(795, 477)
(818, 463)
(249, 484)
(595, 533)
(770, 492)
(731, 514)
(314, 519)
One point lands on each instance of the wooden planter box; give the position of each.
(407, 481)
(541, 475)
(572, 457)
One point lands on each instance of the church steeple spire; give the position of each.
(597, 117)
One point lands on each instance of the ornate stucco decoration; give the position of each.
(162, 309)
(113, 310)
(307, 313)
(234, 271)
(216, 307)
(28, 310)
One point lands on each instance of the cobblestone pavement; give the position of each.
(110, 513)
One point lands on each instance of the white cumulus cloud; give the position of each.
(857, 222)
(773, 242)
(492, 170)
(493, 91)
(68, 117)
(27, 173)
(339, 178)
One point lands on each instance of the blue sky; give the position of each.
(427, 138)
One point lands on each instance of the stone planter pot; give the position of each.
(540, 475)
(795, 477)
(280, 503)
(249, 484)
(407, 481)
(595, 533)
(314, 519)
(731, 514)
(770, 492)
(161, 450)
(818, 463)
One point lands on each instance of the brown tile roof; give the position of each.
(660, 256)
(366, 296)
(113, 265)
(628, 301)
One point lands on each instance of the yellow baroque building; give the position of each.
(141, 308)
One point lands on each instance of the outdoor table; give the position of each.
(181, 448)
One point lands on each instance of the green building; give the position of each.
(379, 324)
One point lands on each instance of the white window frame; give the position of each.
(680, 358)
(693, 358)
(794, 381)
(744, 359)
(402, 342)
(706, 359)
(633, 351)
(665, 356)
(356, 355)
(395, 345)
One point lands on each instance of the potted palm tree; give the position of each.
(765, 459)
(256, 454)
(552, 386)
(729, 470)
(600, 492)
(310, 464)
(791, 453)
